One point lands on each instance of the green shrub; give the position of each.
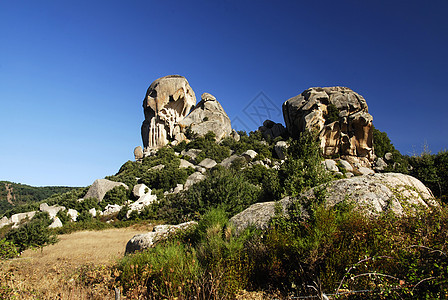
(7, 249)
(118, 195)
(34, 233)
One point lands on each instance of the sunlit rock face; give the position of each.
(338, 114)
(168, 100)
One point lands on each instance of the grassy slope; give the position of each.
(54, 272)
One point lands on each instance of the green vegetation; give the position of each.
(431, 169)
(20, 194)
(34, 233)
(332, 114)
(333, 251)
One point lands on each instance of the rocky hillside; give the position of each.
(15, 194)
(291, 202)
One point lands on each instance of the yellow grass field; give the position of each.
(54, 272)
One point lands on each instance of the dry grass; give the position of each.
(54, 271)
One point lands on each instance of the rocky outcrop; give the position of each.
(207, 116)
(377, 193)
(100, 187)
(168, 100)
(147, 240)
(271, 130)
(338, 114)
(51, 210)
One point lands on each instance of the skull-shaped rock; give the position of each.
(168, 100)
(338, 114)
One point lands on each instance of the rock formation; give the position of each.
(339, 115)
(100, 187)
(207, 116)
(374, 194)
(168, 100)
(147, 240)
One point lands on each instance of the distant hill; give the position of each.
(14, 194)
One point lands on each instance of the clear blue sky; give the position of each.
(73, 73)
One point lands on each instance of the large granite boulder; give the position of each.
(338, 114)
(147, 240)
(207, 116)
(374, 194)
(100, 187)
(168, 100)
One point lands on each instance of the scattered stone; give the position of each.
(388, 156)
(249, 155)
(16, 219)
(92, 211)
(140, 190)
(194, 178)
(51, 210)
(56, 223)
(365, 171)
(73, 214)
(330, 165)
(185, 164)
(207, 163)
(200, 169)
(147, 240)
(111, 209)
(346, 165)
(192, 153)
(380, 164)
(100, 187)
(141, 203)
(349, 174)
(179, 187)
(280, 149)
(157, 168)
(227, 162)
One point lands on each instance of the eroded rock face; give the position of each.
(345, 131)
(168, 100)
(207, 116)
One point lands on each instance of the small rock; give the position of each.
(349, 175)
(158, 167)
(100, 187)
(227, 162)
(330, 165)
(56, 223)
(73, 214)
(194, 178)
(365, 171)
(346, 165)
(207, 163)
(380, 164)
(192, 153)
(51, 210)
(140, 190)
(185, 164)
(388, 156)
(111, 209)
(280, 149)
(249, 155)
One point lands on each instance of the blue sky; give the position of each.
(73, 73)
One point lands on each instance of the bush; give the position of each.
(7, 249)
(118, 195)
(34, 233)
(222, 188)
